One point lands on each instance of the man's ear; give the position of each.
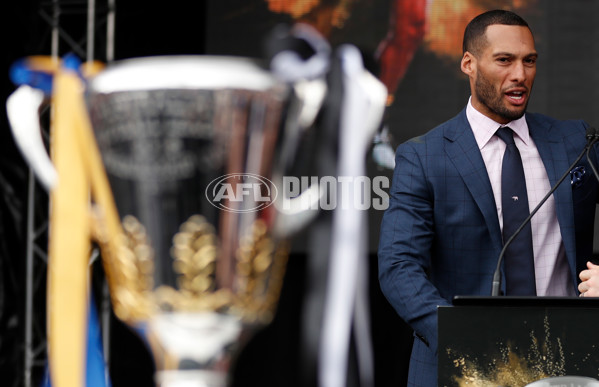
(468, 64)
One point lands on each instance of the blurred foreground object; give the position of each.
(188, 144)
(168, 163)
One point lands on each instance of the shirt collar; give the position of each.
(484, 128)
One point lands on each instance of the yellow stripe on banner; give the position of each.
(107, 221)
(69, 244)
(79, 166)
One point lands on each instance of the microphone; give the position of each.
(592, 137)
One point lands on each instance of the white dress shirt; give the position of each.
(551, 267)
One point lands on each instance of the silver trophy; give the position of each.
(189, 144)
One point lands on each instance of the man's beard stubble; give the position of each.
(486, 94)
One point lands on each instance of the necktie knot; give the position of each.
(506, 134)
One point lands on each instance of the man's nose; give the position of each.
(518, 73)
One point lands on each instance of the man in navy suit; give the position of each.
(442, 233)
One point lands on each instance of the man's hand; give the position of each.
(589, 287)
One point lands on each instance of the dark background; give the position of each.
(433, 90)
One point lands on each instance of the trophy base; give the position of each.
(193, 349)
(191, 378)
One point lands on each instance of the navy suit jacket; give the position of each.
(440, 236)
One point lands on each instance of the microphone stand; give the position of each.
(592, 134)
(592, 138)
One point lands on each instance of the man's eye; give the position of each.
(503, 60)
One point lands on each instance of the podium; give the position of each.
(514, 341)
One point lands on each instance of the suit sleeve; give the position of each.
(405, 246)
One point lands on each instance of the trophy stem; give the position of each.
(193, 349)
(191, 378)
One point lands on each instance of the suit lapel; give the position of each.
(555, 158)
(462, 150)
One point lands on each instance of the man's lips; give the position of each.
(516, 96)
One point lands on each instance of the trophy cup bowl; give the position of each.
(189, 146)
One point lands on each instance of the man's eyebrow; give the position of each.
(509, 54)
(503, 53)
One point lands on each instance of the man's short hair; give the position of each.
(474, 35)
